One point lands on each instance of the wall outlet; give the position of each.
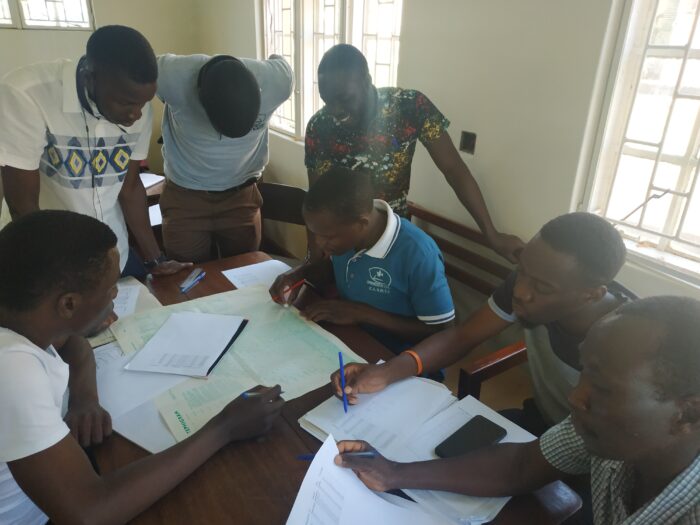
(467, 142)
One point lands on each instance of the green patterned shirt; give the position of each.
(385, 148)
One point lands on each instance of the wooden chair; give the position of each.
(281, 203)
(476, 372)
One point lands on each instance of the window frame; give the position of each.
(304, 64)
(19, 21)
(664, 261)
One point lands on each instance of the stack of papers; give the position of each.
(188, 344)
(331, 495)
(405, 422)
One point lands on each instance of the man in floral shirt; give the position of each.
(376, 129)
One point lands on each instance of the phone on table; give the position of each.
(476, 433)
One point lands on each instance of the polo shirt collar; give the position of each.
(383, 246)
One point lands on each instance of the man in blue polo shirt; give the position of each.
(389, 274)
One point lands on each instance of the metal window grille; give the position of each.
(69, 14)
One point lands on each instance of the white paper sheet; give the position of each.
(144, 427)
(263, 273)
(332, 495)
(150, 179)
(125, 301)
(188, 343)
(120, 390)
(155, 216)
(385, 419)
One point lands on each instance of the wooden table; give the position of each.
(256, 482)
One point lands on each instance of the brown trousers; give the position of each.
(200, 225)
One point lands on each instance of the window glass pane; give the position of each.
(5, 15)
(690, 229)
(658, 211)
(690, 83)
(381, 28)
(680, 126)
(630, 187)
(279, 40)
(56, 13)
(653, 99)
(666, 176)
(673, 22)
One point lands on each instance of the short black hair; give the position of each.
(230, 95)
(595, 244)
(345, 193)
(51, 250)
(343, 57)
(677, 360)
(121, 49)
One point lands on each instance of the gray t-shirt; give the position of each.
(196, 155)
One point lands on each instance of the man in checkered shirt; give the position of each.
(634, 426)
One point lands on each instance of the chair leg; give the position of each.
(468, 385)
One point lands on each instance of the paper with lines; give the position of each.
(332, 495)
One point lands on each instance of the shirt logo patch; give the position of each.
(259, 122)
(379, 280)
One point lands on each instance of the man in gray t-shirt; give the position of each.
(215, 147)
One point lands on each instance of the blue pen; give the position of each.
(193, 283)
(366, 454)
(342, 382)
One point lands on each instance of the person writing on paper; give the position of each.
(562, 285)
(634, 427)
(389, 274)
(376, 129)
(45, 473)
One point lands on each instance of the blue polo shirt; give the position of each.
(403, 274)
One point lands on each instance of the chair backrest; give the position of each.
(282, 202)
(498, 271)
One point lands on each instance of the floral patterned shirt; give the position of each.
(385, 148)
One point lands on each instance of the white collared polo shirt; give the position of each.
(82, 159)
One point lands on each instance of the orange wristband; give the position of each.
(416, 357)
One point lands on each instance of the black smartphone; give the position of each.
(476, 433)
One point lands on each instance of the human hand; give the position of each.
(507, 246)
(88, 422)
(335, 311)
(360, 378)
(283, 290)
(378, 473)
(253, 415)
(170, 267)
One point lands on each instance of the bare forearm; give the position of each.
(319, 272)
(132, 489)
(133, 203)
(408, 328)
(469, 194)
(21, 190)
(501, 470)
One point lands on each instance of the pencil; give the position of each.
(289, 289)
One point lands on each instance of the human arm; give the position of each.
(506, 469)
(89, 423)
(21, 189)
(437, 351)
(343, 312)
(61, 481)
(132, 199)
(446, 157)
(318, 273)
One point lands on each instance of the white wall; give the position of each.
(169, 25)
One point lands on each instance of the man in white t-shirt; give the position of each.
(215, 148)
(58, 275)
(73, 136)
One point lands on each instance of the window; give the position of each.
(303, 30)
(53, 14)
(645, 178)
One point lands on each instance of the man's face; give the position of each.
(346, 95)
(548, 285)
(333, 236)
(616, 407)
(98, 303)
(119, 99)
